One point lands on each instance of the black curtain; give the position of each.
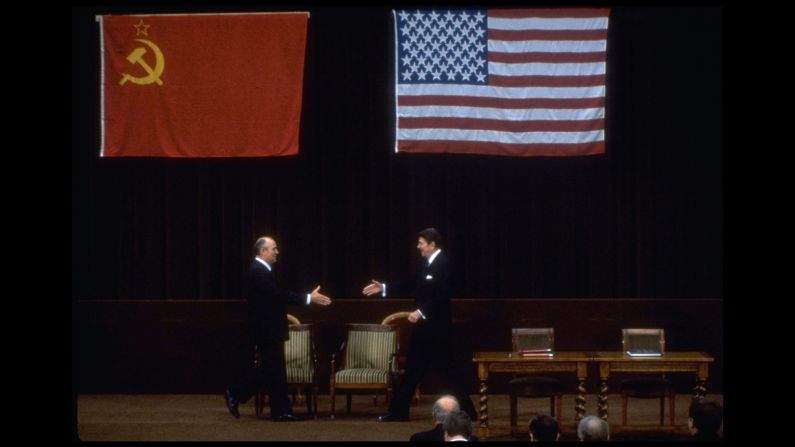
(643, 220)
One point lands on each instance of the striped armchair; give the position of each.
(401, 320)
(301, 363)
(366, 361)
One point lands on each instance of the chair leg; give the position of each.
(672, 407)
(314, 400)
(662, 410)
(552, 406)
(623, 410)
(264, 398)
(513, 411)
(333, 401)
(348, 401)
(300, 395)
(375, 399)
(417, 396)
(559, 408)
(309, 399)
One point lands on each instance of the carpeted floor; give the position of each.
(205, 418)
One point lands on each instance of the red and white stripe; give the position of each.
(546, 91)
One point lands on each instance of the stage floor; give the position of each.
(201, 417)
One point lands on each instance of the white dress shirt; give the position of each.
(430, 261)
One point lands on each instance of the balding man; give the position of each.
(592, 428)
(441, 408)
(267, 312)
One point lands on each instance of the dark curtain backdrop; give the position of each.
(643, 220)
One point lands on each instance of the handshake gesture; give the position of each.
(373, 288)
(318, 298)
(378, 287)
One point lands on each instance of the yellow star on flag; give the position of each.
(140, 28)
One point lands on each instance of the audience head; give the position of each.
(544, 428)
(457, 423)
(592, 428)
(705, 416)
(444, 406)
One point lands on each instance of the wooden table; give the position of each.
(692, 362)
(512, 362)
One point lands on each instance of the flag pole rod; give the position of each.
(308, 15)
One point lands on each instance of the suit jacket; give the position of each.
(435, 435)
(703, 436)
(432, 289)
(267, 305)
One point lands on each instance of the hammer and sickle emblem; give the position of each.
(136, 57)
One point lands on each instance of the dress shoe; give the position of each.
(231, 404)
(287, 417)
(393, 417)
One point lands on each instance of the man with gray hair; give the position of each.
(441, 408)
(267, 319)
(592, 428)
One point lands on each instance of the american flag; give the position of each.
(516, 82)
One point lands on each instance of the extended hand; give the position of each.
(414, 316)
(319, 298)
(373, 288)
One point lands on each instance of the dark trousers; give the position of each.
(424, 354)
(271, 375)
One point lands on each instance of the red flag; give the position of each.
(202, 85)
(519, 82)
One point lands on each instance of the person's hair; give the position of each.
(432, 235)
(260, 244)
(458, 423)
(593, 428)
(439, 413)
(544, 428)
(706, 414)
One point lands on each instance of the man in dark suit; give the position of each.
(431, 344)
(441, 408)
(457, 427)
(544, 428)
(704, 420)
(267, 314)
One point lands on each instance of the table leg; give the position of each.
(602, 400)
(483, 430)
(700, 390)
(579, 401)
